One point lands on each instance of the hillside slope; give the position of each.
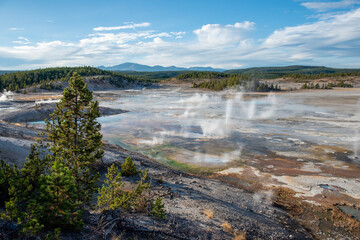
(49, 78)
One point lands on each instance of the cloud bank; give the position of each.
(325, 6)
(127, 26)
(334, 41)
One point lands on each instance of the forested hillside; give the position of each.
(254, 79)
(49, 76)
(292, 72)
(235, 81)
(201, 75)
(220, 81)
(295, 72)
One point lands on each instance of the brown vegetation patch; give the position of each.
(322, 221)
(350, 172)
(283, 166)
(240, 236)
(328, 149)
(227, 227)
(37, 97)
(246, 180)
(329, 198)
(209, 213)
(284, 163)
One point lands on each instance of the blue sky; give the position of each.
(223, 34)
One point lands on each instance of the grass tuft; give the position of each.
(227, 227)
(209, 213)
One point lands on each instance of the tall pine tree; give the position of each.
(75, 135)
(59, 207)
(24, 189)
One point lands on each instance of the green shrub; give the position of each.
(138, 200)
(113, 196)
(128, 168)
(24, 191)
(7, 173)
(158, 209)
(42, 198)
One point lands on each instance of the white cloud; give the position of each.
(16, 29)
(106, 38)
(127, 26)
(340, 32)
(49, 52)
(178, 33)
(325, 6)
(22, 40)
(301, 56)
(220, 35)
(165, 34)
(333, 42)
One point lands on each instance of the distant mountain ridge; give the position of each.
(2, 72)
(128, 66)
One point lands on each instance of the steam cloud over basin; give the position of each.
(5, 96)
(222, 128)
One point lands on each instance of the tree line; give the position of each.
(235, 81)
(302, 76)
(48, 77)
(201, 75)
(326, 86)
(295, 72)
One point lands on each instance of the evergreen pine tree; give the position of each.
(111, 194)
(58, 197)
(7, 173)
(158, 209)
(75, 135)
(128, 168)
(23, 206)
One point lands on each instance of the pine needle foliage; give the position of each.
(7, 173)
(128, 168)
(44, 202)
(58, 195)
(75, 135)
(112, 194)
(158, 209)
(24, 191)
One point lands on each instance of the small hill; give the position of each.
(49, 78)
